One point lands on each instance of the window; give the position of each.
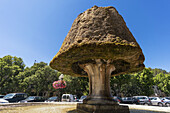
(64, 97)
(25, 96)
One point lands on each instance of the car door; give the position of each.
(155, 101)
(37, 99)
(14, 99)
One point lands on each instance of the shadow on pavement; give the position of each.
(72, 111)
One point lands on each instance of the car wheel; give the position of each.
(160, 104)
(167, 104)
(149, 104)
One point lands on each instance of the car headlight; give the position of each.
(3, 101)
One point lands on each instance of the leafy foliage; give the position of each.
(76, 85)
(10, 67)
(120, 84)
(38, 79)
(144, 80)
(163, 82)
(136, 84)
(157, 71)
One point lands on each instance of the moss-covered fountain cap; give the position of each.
(99, 33)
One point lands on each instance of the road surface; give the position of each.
(69, 107)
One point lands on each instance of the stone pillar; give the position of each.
(100, 99)
(99, 82)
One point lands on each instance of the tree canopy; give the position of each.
(10, 67)
(38, 80)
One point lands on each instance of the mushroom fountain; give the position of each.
(99, 45)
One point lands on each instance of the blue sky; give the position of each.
(35, 29)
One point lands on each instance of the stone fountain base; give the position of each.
(101, 108)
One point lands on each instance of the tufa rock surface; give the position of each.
(99, 33)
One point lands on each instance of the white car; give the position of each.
(166, 100)
(156, 101)
(3, 101)
(67, 98)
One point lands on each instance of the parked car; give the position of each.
(141, 100)
(52, 99)
(82, 98)
(156, 101)
(167, 101)
(33, 99)
(15, 97)
(1, 96)
(127, 100)
(117, 99)
(67, 98)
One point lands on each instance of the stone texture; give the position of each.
(86, 108)
(99, 82)
(99, 33)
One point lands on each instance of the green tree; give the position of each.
(38, 79)
(133, 84)
(163, 82)
(76, 85)
(144, 82)
(10, 67)
(157, 71)
(120, 85)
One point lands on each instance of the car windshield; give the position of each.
(83, 97)
(141, 97)
(129, 98)
(152, 98)
(52, 98)
(30, 98)
(167, 98)
(8, 96)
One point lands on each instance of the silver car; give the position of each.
(143, 100)
(166, 100)
(82, 98)
(156, 101)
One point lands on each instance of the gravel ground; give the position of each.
(38, 109)
(69, 108)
